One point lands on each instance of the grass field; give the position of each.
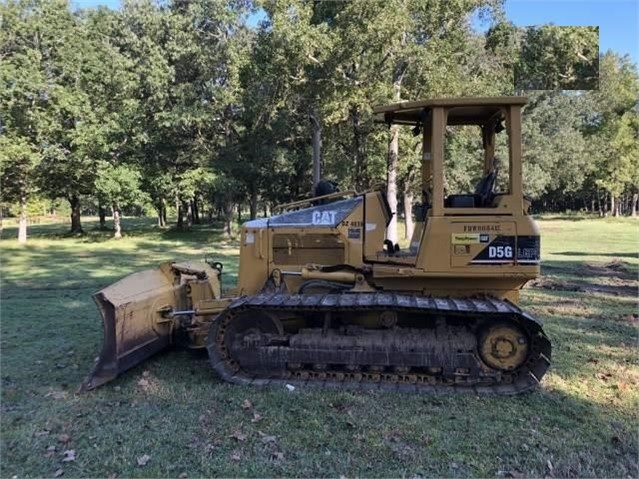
(171, 418)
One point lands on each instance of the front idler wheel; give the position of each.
(236, 338)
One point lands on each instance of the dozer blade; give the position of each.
(134, 326)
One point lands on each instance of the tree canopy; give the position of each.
(188, 109)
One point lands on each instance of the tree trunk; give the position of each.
(228, 219)
(158, 209)
(409, 227)
(613, 205)
(239, 213)
(102, 215)
(76, 225)
(253, 204)
(391, 182)
(22, 225)
(599, 207)
(393, 149)
(189, 214)
(317, 146)
(180, 220)
(635, 202)
(163, 209)
(117, 227)
(196, 211)
(361, 166)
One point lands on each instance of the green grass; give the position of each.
(582, 422)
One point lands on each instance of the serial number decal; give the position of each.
(354, 224)
(482, 228)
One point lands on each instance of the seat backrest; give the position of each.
(485, 187)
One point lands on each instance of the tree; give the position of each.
(118, 186)
(554, 57)
(18, 160)
(555, 153)
(69, 128)
(613, 129)
(22, 100)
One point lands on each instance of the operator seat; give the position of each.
(484, 190)
(482, 197)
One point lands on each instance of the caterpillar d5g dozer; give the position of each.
(323, 298)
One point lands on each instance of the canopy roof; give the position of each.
(464, 111)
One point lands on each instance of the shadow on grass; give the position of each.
(131, 227)
(67, 266)
(565, 218)
(589, 253)
(622, 274)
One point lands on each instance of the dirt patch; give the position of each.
(613, 278)
(614, 269)
(553, 284)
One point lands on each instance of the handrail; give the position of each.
(303, 202)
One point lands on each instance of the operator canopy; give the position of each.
(463, 111)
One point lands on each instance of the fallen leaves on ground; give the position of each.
(247, 404)
(64, 438)
(43, 433)
(238, 435)
(256, 417)
(278, 455)
(266, 439)
(236, 456)
(143, 460)
(69, 455)
(143, 383)
(50, 451)
(550, 469)
(58, 472)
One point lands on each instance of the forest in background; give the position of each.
(188, 109)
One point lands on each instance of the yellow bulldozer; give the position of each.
(325, 299)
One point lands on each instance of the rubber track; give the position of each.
(523, 379)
